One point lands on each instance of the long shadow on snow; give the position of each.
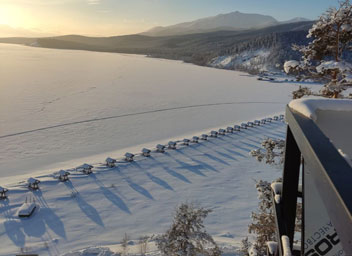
(264, 129)
(139, 188)
(206, 165)
(112, 197)
(214, 158)
(85, 207)
(196, 169)
(237, 145)
(53, 222)
(271, 134)
(34, 226)
(48, 215)
(136, 187)
(235, 153)
(172, 172)
(153, 178)
(13, 230)
(229, 140)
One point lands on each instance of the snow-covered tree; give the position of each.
(263, 221)
(273, 151)
(324, 57)
(187, 235)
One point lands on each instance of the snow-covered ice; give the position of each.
(61, 108)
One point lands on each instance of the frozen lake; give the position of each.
(59, 108)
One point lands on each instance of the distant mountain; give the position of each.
(234, 21)
(229, 21)
(297, 19)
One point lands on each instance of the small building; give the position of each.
(3, 192)
(172, 145)
(160, 148)
(244, 126)
(214, 134)
(250, 124)
(85, 168)
(129, 157)
(186, 142)
(222, 131)
(257, 122)
(204, 136)
(63, 175)
(269, 119)
(146, 152)
(237, 128)
(229, 129)
(33, 183)
(276, 118)
(195, 139)
(263, 121)
(110, 162)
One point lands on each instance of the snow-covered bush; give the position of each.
(324, 58)
(187, 235)
(272, 149)
(245, 247)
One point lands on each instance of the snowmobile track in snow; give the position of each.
(133, 114)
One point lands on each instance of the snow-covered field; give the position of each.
(58, 105)
(138, 198)
(61, 108)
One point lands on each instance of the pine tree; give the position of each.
(324, 57)
(263, 221)
(187, 236)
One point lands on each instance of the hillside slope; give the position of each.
(199, 49)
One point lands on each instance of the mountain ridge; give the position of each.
(228, 21)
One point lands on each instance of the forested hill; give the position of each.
(248, 50)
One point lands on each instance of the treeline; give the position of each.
(199, 48)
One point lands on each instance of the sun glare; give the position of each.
(12, 16)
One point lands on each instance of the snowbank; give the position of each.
(333, 117)
(291, 64)
(309, 106)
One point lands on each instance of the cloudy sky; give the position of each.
(117, 17)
